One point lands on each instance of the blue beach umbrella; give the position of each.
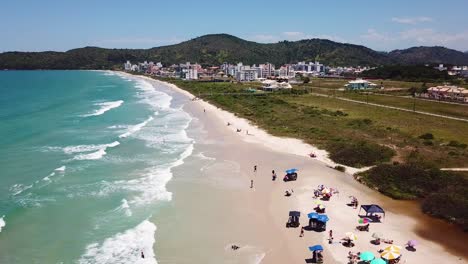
(378, 261)
(323, 218)
(367, 256)
(316, 247)
(313, 215)
(291, 171)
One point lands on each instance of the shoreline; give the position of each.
(403, 224)
(260, 136)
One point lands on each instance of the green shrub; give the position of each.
(359, 154)
(450, 203)
(457, 144)
(360, 122)
(428, 143)
(340, 168)
(427, 136)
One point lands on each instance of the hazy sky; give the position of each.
(382, 25)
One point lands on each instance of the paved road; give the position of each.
(395, 108)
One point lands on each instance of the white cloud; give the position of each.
(428, 36)
(374, 35)
(416, 36)
(411, 20)
(264, 38)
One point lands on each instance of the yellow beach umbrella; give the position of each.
(389, 255)
(393, 248)
(351, 236)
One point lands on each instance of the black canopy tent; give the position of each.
(372, 209)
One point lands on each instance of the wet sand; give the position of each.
(213, 206)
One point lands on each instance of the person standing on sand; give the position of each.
(255, 168)
(204, 110)
(251, 184)
(330, 236)
(302, 232)
(273, 175)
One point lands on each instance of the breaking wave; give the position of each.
(106, 106)
(123, 248)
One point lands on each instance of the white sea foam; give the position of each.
(149, 95)
(104, 107)
(61, 169)
(2, 223)
(19, 188)
(136, 128)
(125, 207)
(89, 152)
(124, 248)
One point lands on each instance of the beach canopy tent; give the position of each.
(316, 247)
(372, 209)
(294, 213)
(291, 171)
(323, 218)
(313, 215)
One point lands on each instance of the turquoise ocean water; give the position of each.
(84, 160)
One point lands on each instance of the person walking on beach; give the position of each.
(255, 168)
(273, 175)
(302, 232)
(330, 236)
(204, 110)
(251, 184)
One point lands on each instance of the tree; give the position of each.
(306, 79)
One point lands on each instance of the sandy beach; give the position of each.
(224, 210)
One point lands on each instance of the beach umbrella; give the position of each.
(318, 202)
(377, 235)
(351, 236)
(313, 215)
(316, 247)
(389, 255)
(364, 220)
(321, 206)
(378, 261)
(367, 256)
(291, 171)
(325, 191)
(323, 218)
(412, 243)
(393, 248)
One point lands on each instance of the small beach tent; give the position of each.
(313, 219)
(316, 247)
(371, 209)
(294, 213)
(291, 171)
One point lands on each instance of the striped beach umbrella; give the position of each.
(389, 255)
(393, 248)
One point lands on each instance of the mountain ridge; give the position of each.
(214, 49)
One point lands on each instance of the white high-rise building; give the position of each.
(128, 66)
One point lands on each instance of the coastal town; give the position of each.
(283, 77)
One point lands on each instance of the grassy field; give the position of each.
(326, 122)
(453, 110)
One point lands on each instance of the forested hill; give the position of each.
(218, 48)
